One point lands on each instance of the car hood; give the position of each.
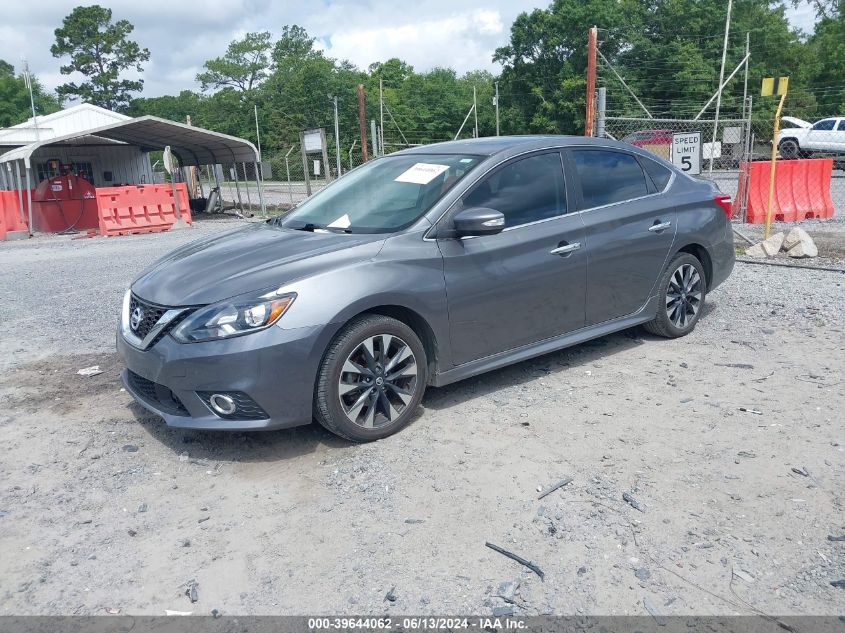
(796, 121)
(248, 259)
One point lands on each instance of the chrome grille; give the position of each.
(150, 320)
(150, 315)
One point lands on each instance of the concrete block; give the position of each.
(773, 244)
(757, 251)
(794, 236)
(803, 249)
(799, 244)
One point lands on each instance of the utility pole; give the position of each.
(362, 122)
(336, 137)
(592, 46)
(374, 133)
(475, 110)
(601, 107)
(719, 94)
(28, 82)
(497, 108)
(381, 111)
(258, 132)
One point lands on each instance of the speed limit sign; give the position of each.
(685, 152)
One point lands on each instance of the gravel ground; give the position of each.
(730, 440)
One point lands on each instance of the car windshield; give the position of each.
(383, 196)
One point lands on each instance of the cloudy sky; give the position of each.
(181, 35)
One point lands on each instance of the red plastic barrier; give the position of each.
(802, 190)
(141, 209)
(10, 215)
(64, 202)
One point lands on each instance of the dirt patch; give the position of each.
(54, 387)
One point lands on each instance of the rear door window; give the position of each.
(607, 176)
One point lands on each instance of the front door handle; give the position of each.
(566, 248)
(660, 226)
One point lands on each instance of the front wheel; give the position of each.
(371, 379)
(683, 288)
(789, 149)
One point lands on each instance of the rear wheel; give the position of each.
(683, 287)
(371, 379)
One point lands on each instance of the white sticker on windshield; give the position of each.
(421, 173)
(342, 222)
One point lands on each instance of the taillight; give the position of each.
(724, 202)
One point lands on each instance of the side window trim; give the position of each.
(567, 193)
(569, 163)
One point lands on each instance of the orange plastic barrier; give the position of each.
(141, 209)
(10, 215)
(802, 190)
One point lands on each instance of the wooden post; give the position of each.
(362, 121)
(592, 46)
(783, 86)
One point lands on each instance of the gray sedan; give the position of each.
(421, 268)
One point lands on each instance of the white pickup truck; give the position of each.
(826, 136)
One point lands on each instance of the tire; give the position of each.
(371, 380)
(789, 149)
(679, 311)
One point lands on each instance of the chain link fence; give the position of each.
(738, 160)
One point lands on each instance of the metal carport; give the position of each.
(193, 146)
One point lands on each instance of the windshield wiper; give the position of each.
(309, 226)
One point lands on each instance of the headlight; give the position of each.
(235, 317)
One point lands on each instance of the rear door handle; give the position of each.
(566, 248)
(662, 226)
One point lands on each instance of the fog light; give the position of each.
(222, 404)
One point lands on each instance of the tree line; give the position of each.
(667, 51)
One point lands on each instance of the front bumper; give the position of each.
(274, 367)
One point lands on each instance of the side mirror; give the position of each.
(478, 221)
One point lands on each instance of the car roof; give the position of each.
(493, 145)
